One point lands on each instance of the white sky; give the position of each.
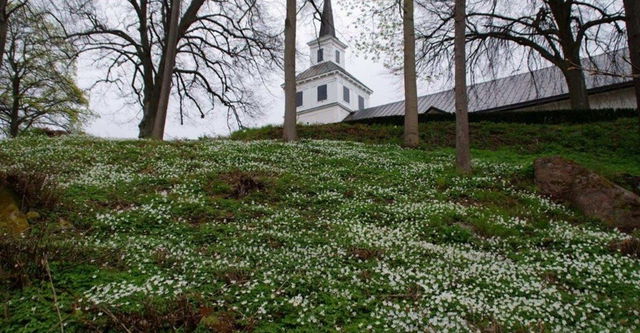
(119, 120)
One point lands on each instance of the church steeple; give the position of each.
(327, 92)
(327, 28)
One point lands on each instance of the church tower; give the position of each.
(327, 92)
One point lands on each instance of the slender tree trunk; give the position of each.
(289, 129)
(149, 101)
(463, 150)
(14, 128)
(4, 27)
(14, 121)
(632, 12)
(411, 134)
(169, 65)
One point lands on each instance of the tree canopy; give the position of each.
(37, 77)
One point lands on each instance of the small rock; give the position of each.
(566, 181)
(64, 224)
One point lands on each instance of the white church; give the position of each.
(328, 93)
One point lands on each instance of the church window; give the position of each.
(337, 56)
(322, 92)
(360, 103)
(299, 99)
(346, 94)
(320, 55)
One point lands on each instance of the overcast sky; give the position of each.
(116, 119)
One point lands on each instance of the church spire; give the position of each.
(327, 28)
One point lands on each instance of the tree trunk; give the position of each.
(14, 121)
(14, 128)
(289, 129)
(632, 12)
(4, 28)
(149, 109)
(169, 65)
(149, 101)
(571, 65)
(577, 85)
(463, 150)
(411, 135)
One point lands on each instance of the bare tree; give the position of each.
(411, 131)
(502, 35)
(289, 129)
(223, 47)
(463, 150)
(632, 12)
(7, 9)
(555, 30)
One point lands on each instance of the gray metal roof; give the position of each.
(540, 86)
(325, 68)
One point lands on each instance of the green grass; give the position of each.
(612, 148)
(320, 235)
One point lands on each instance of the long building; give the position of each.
(539, 90)
(328, 93)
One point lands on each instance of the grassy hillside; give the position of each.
(612, 148)
(262, 236)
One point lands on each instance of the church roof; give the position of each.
(517, 91)
(326, 68)
(327, 28)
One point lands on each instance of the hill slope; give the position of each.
(263, 236)
(610, 147)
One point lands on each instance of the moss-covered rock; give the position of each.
(12, 220)
(589, 192)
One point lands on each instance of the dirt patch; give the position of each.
(629, 247)
(224, 321)
(244, 183)
(468, 227)
(365, 253)
(162, 257)
(365, 275)
(468, 201)
(22, 196)
(413, 292)
(274, 242)
(22, 258)
(235, 276)
(179, 315)
(33, 190)
(12, 220)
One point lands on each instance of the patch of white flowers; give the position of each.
(158, 285)
(351, 249)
